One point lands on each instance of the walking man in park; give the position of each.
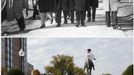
(89, 62)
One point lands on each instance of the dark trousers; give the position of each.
(80, 15)
(93, 9)
(3, 15)
(66, 13)
(108, 20)
(21, 23)
(72, 15)
(35, 12)
(114, 18)
(58, 16)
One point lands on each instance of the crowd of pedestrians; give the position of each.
(69, 8)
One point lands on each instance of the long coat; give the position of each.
(94, 3)
(62, 4)
(46, 5)
(14, 8)
(65, 4)
(80, 4)
(71, 4)
(58, 5)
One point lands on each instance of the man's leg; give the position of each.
(83, 15)
(77, 18)
(65, 12)
(72, 16)
(42, 15)
(93, 13)
(114, 19)
(108, 21)
(58, 18)
(51, 16)
(89, 14)
(21, 23)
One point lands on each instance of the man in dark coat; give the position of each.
(71, 9)
(14, 11)
(92, 5)
(58, 10)
(80, 12)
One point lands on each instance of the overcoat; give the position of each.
(94, 3)
(14, 8)
(65, 4)
(58, 5)
(80, 4)
(46, 5)
(71, 4)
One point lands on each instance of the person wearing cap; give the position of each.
(89, 62)
(90, 57)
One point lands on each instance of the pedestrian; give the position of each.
(89, 62)
(80, 12)
(35, 10)
(65, 8)
(14, 10)
(93, 4)
(114, 7)
(35, 72)
(44, 7)
(106, 7)
(72, 9)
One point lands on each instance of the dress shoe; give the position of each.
(83, 24)
(65, 22)
(58, 25)
(77, 24)
(42, 26)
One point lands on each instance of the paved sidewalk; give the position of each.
(92, 29)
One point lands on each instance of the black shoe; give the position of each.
(93, 20)
(72, 22)
(42, 26)
(83, 24)
(77, 24)
(115, 27)
(22, 28)
(58, 25)
(65, 22)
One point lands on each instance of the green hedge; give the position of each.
(15, 72)
(129, 70)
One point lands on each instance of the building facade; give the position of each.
(29, 69)
(10, 58)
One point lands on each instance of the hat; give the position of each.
(89, 50)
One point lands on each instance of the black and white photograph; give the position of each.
(66, 37)
(50, 18)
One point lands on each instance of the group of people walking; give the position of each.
(69, 7)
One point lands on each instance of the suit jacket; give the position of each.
(14, 8)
